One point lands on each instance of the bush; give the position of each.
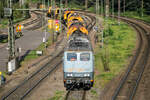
(108, 32)
(16, 13)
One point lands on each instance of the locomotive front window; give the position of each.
(85, 57)
(71, 56)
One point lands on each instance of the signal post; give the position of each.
(12, 62)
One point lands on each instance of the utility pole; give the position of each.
(66, 3)
(11, 37)
(102, 33)
(60, 13)
(107, 8)
(97, 21)
(142, 7)
(53, 29)
(124, 6)
(113, 8)
(43, 21)
(23, 4)
(48, 3)
(20, 2)
(119, 12)
(51, 3)
(102, 7)
(86, 4)
(97, 12)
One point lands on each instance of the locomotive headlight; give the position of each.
(86, 75)
(69, 75)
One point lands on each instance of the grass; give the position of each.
(58, 96)
(4, 41)
(4, 22)
(118, 47)
(93, 92)
(32, 55)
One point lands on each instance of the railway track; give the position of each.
(81, 95)
(76, 95)
(38, 22)
(127, 87)
(22, 90)
(140, 20)
(39, 16)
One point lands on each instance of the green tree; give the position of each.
(2, 5)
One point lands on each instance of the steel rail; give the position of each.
(56, 66)
(69, 93)
(35, 20)
(141, 31)
(139, 20)
(32, 76)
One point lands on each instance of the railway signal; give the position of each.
(54, 25)
(57, 25)
(18, 28)
(50, 24)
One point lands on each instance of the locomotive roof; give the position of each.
(79, 44)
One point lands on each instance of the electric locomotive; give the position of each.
(78, 64)
(78, 60)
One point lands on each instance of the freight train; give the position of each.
(78, 59)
